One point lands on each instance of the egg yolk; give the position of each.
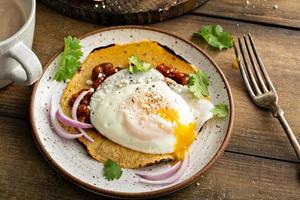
(184, 133)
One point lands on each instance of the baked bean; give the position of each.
(83, 113)
(101, 75)
(170, 75)
(96, 71)
(82, 109)
(172, 71)
(109, 69)
(98, 81)
(87, 98)
(180, 78)
(74, 97)
(160, 67)
(185, 80)
(165, 70)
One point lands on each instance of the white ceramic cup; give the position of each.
(17, 61)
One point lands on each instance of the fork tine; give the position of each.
(261, 64)
(249, 70)
(254, 66)
(243, 71)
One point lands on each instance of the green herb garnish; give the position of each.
(220, 111)
(137, 65)
(215, 36)
(112, 170)
(198, 84)
(70, 59)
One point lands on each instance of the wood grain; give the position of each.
(258, 11)
(24, 174)
(255, 131)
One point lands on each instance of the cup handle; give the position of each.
(29, 62)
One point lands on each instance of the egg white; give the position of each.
(108, 106)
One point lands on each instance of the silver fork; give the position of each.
(259, 85)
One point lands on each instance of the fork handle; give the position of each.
(288, 131)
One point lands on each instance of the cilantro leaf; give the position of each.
(215, 36)
(198, 84)
(220, 111)
(137, 65)
(70, 59)
(112, 170)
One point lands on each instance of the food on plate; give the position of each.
(134, 105)
(148, 113)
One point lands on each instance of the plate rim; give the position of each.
(139, 195)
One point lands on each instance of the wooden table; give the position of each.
(259, 163)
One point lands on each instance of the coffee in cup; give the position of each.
(12, 18)
(18, 63)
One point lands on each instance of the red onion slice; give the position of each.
(60, 131)
(74, 112)
(172, 178)
(161, 175)
(70, 122)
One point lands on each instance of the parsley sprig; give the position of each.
(198, 84)
(215, 36)
(138, 65)
(220, 111)
(70, 59)
(111, 170)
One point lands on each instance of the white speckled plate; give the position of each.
(71, 160)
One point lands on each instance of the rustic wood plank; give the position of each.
(14, 101)
(258, 11)
(24, 174)
(255, 131)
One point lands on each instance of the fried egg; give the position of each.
(148, 113)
